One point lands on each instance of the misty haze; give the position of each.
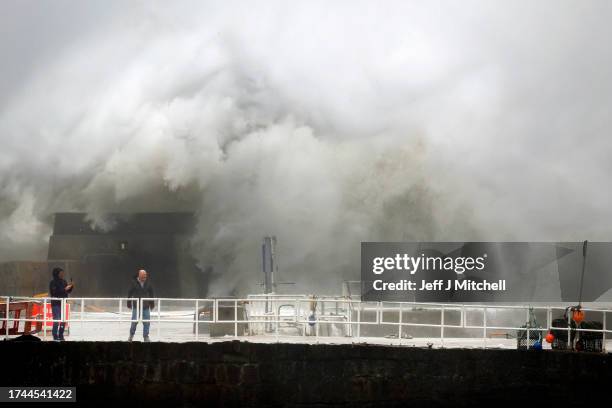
(322, 123)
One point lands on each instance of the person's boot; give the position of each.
(131, 337)
(147, 339)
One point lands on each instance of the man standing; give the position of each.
(58, 288)
(139, 289)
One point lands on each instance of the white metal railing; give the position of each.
(261, 315)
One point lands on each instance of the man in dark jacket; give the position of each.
(58, 288)
(139, 289)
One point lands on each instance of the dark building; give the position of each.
(103, 260)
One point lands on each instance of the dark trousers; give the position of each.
(56, 310)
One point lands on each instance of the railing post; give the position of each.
(528, 338)
(442, 325)
(159, 306)
(235, 318)
(348, 308)
(359, 322)
(44, 318)
(6, 317)
(298, 313)
(484, 326)
(549, 321)
(400, 324)
(296, 305)
(528, 320)
(215, 307)
(63, 310)
(83, 310)
(197, 319)
(569, 331)
(603, 342)
(317, 323)
(277, 318)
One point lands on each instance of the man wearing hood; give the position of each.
(139, 289)
(58, 288)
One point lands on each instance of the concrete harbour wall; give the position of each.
(249, 374)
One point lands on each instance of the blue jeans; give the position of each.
(56, 310)
(146, 315)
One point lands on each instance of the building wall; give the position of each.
(24, 278)
(109, 259)
(102, 262)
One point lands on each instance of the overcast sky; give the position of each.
(325, 123)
